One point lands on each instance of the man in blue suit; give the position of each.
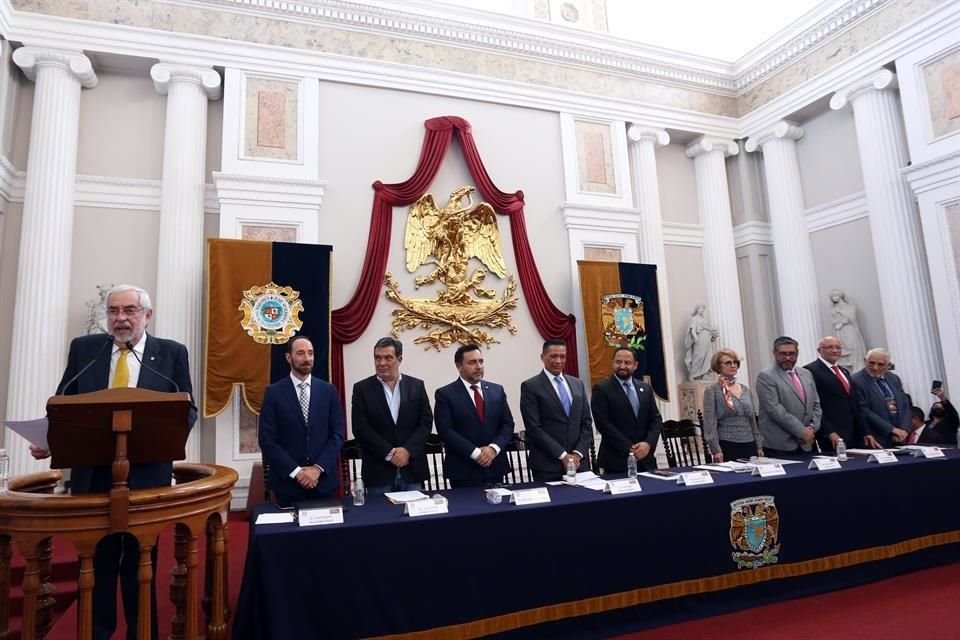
(880, 394)
(301, 430)
(135, 359)
(474, 421)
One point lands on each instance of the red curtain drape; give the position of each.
(351, 320)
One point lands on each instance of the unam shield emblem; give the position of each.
(754, 531)
(271, 313)
(621, 315)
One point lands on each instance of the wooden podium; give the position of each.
(120, 427)
(96, 429)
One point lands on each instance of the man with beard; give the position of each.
(135, 359)
(301, 430)
(626, 416)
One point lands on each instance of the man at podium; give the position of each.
(134, 359)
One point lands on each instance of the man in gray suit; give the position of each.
(789, 405)
(885, 405)
(556, 416)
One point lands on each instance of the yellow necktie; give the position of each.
(121, 376)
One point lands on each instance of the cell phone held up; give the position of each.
(937, 384)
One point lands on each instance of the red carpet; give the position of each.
(921, 605)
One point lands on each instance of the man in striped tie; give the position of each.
(789, 404)
(842, 416)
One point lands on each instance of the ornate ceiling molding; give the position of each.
(560, 45)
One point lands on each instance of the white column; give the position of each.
(179, 294)
(908, 311)
(724, 309)
(39, 342)
(646, 195)
(796, 276)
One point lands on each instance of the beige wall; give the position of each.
(687, 290)
(678, 185)
(8, 287)
(829, 159)
(844, 259)
(370, 134)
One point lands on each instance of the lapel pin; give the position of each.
(153, 358)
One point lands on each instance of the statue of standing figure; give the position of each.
(700, 343)
(845, 325)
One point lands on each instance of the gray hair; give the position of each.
(142, 295)
(877, 351)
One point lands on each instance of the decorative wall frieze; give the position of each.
(587, 217)
(681, 234)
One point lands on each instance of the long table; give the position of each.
(591, 565)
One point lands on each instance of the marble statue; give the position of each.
(843, 317)
(700, 343)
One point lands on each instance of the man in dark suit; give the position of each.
(391, 420)
(920, 430)
(842, 417)
(474, 421)
(556, 416)
(626, 415)
(301, 430)
(135, 360)
(885, 406)
(789, 412)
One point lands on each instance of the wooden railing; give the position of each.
(30, 514)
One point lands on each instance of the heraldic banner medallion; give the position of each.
(754, 532)
(621, 308)
(260, 295)
(448, 238)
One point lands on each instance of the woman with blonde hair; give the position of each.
(729, 418)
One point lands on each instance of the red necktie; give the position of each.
(478, 400)
(843, 379)
(914, 436)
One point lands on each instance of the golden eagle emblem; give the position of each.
(448, 238)
(754, 531)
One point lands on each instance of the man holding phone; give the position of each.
(943, 415)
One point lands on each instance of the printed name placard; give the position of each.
(883, 457)
(428, 507)
(691, 478)
(530, 496)
(822, 464)
(768, 470)
(929, 452)
(627, 485)
(326, 515)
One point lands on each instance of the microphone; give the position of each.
(63, 389)
(129, 345)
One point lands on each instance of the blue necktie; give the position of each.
(564, 396)
(885, 388)
(632, 396)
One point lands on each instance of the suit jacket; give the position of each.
(374, 429)
(620, 428)
(166, 357)
(874, 406)
(288, 442)
(461, 430)
(550, 431)
(946, 429)
(783, 413)
(841, 410)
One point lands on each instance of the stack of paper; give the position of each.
(402, 497)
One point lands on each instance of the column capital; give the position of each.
(875, 81)
(783, 130)
(707, 144)
(31, 59)
(638, 133)
(164, 74)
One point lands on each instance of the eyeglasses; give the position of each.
(129, 310)
(727, 363)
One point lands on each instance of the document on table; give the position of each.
(33, 431)
(401, 497)
(712, 467)
(596, 483)
(285, 517)
(664, 475)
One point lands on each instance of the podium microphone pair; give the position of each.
(128, 345)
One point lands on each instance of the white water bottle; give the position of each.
(631, 466)
(4, 470)
(841, 450)
(571, 475)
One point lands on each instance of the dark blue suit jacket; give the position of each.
(288, 442)
(165, 356)
(460, 429)
(874, 406)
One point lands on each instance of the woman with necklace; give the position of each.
(729, 417)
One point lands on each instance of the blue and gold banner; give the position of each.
(261, 294)
(621, 307)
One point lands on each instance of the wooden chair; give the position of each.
(518, 459)
(434, 451)
(684, 444)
